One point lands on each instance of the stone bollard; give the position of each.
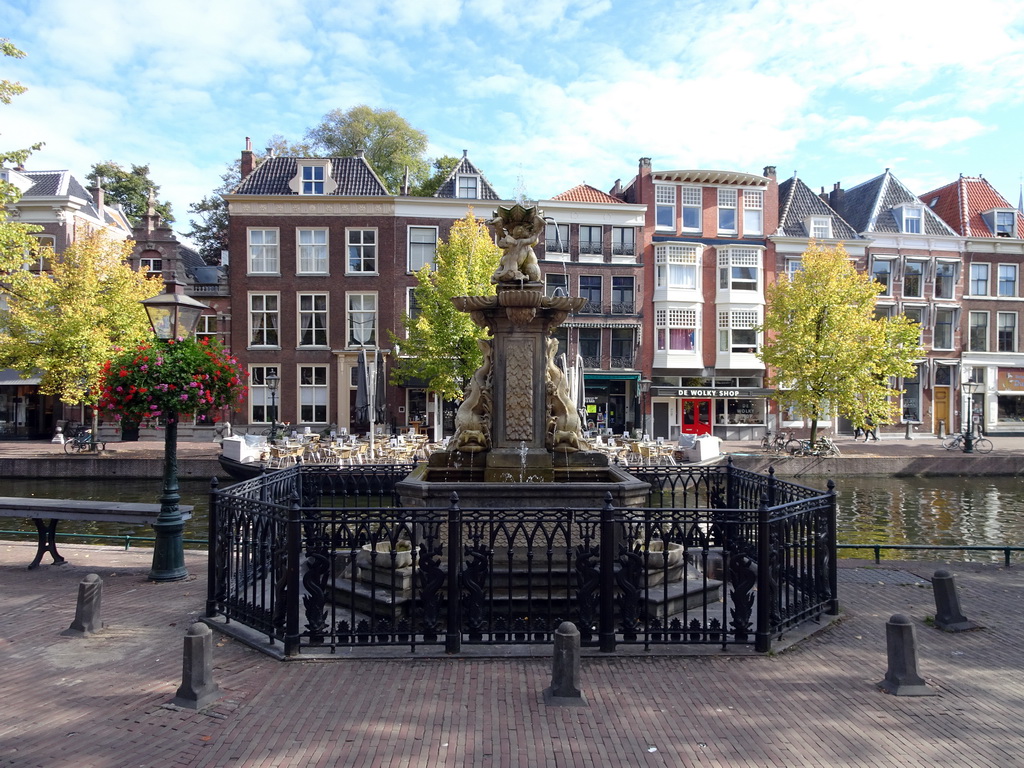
(902, 678)
(87, 612)
(565, 669)
(910, 432)
(948, 615)
(197, 686)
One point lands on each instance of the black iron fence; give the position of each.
(325, 559)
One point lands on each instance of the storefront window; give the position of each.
(1011, 408)
(740, 411)
(912, 397)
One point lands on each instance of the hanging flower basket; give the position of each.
(156, 380)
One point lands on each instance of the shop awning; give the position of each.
(611, 376)
(11, 378)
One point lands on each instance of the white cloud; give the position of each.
(928, 134)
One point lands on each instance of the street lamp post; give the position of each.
(644, 386)
(971, 388)
(273, 382)
(172, 315)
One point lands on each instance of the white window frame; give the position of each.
(318, 313)
(731, 320)
(361, 303)
(981, 272)
(728, 200)
(793, 265)
(311, 250)
(466, 183)
(677, 266)
(753, 212)
(915, 309)
(367, 251)
(922, 275)
(890, 262)
(971, 316)
(936, 314)
(270, 310)
(624, 242)
(154, 265)
(675, 318)
(1000, 283)
(954, 279)
(313, 394)
(556, 241)
(259, 393)
(591, 247)
(735, 258)
(419, 249)
(819, 227)
(312, 178)
(554, 281)
(1000, 317)
(1004, 223)
(909, 215)
(264, 250)
(692, 207)
(665, 203)
(591, 307)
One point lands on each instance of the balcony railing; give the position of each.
(591, 308)
(591, 362)
(622, 361)
(623, 249)
(591, 247)
(556, 246)
(623, 308)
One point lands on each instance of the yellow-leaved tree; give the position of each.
(825, 349)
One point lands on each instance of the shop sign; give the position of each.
(1011, 380)
(690, 392)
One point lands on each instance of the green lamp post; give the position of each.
(173, 316)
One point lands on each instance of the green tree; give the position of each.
(15, 238)
(131, 189)
(443, 166)
(441, 345)
(65, 322)
(825, 348)
(390, 143)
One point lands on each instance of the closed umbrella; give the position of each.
(380, 388)
(362, 390)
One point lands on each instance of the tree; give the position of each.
(131, 189)
(443, 166)
(442, 342)
(390, 143)
(65, 322)
(826, 349)
(15, 238)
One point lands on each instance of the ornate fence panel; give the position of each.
(323, 558)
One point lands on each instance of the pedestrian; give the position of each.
(870, 431)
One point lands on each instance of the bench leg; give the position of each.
(47, 542)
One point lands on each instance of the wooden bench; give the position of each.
(54, 510)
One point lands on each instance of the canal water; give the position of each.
(872, 510)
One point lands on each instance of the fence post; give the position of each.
(762, 636)
(292, 584)
(833, 549)
(453, 631)
(211, 552)
(772, 480)
(730, 485)
(606, 616)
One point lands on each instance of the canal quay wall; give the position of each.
(889, 457)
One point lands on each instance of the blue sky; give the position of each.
(544, 94)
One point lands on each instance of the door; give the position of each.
(940, 407)
(696, 417)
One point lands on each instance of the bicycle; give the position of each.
(958, 442)
(774, 442)
(81, 441)
(823, 446)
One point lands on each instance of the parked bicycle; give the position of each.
(775, 442)
(80, 441)
(958, 442)
(823, 446)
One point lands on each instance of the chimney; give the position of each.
(465, 153)
(360, 153)
(616, 190)
(248, 161)
(769, 171)
(97, 195)
(835, 198)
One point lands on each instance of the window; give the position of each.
(362, 251)
(943, 334)
(884, 310)
(753, 212)
(676, 266)
(979, 279)
(912, 219)
(468, 186)
(1006, 332)
(556, 282)
(977, 338)
(738, 269)
(262, 409)
(590, 240)
(561, 335)
(622, 348)
(916, 315)
(263, 320)
(362, 319)
(412, 305)
(736, 331)
(1006, 224)
(913, 279)
(912, 396)
(693, 208)
(881, 272)
(312, 319)
(422, 247)
(263, 252)
(312, 179)
(622, 296)
(1007, 279)
(153, 265)
(590, 289)
(727, 210)
(945, 279)
(623, 241)
(819, 227)
(313, 394)
(556, 238)
(590, 347)
(793, 266)
(676, 329)
(312, 251)
(39, 257)
(665, 207)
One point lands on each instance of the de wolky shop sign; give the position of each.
(694, 392)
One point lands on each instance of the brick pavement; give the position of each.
(102, 701)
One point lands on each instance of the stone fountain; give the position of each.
(518, 427)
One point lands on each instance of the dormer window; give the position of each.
(1002, 222)
(910, 218)
(819, 227)
(467, 187)
(313, 177)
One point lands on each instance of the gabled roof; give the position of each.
(64, 184)
(584, 193)
(961, 204)
(869, 207)
(449, 187)
(354, 176)
(797, 202)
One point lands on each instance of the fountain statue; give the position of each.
(518, 424)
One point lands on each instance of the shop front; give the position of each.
(610, 402)
(24, 413)
(731, 413)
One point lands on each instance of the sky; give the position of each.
(544, 95)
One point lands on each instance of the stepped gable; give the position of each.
(961, 204)
(797, 202)
(354, 176)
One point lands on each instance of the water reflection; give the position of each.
(946, 511)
